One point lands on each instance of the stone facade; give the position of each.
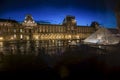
(30, 30)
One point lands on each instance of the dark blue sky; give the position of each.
(54, 11)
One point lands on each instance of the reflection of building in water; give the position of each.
(1, 46)
(53, 34)
(30, 47)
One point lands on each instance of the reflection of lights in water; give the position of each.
(100, 46)
(59, 43)
(49, 50)
(69, 41)
(1, 46)
(27, 47)
(22, 49)
(13, 48)
(37, 43)
(73, 42)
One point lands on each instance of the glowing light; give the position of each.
(53, 41)
(1, 47)
(21, 36)
(27, 37)
(73, 21)
(33, 21)
(15, 36)
(1, 38)
(36, 37)
(1, 44)
(99, 37)
(69, 41)
(12, 38)
(69, 36)
(78, 41)
(21, 30)
(77, 36)
(73, 43)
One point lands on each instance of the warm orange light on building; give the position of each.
(30, 30)
(1, 38)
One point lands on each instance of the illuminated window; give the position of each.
(40, 30)
(15, 36)
(21, 36)
(33, 21)
(27, 37)
(21, 30)
(77, 36)
(1, 38)
(36, 37)
(69, 36)
(11, 38)
(1, 44)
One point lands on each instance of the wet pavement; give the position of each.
(61, 62)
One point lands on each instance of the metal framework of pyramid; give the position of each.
(102, 36)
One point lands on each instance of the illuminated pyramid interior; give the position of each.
(102, 36)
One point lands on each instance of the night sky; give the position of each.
(54, 11)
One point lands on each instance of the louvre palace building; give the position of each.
(68, 31)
